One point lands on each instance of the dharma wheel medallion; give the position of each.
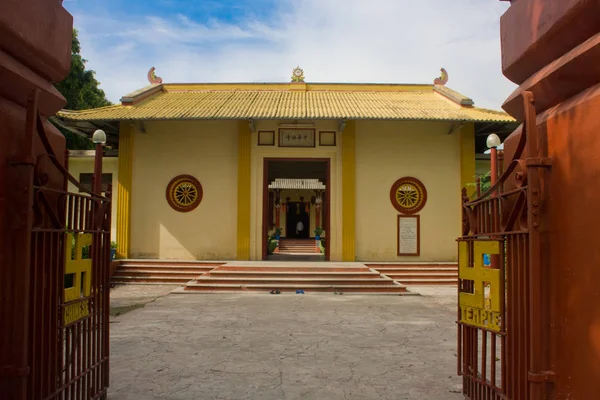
(408, 195)
(184, 193)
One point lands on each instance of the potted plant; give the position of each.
(277, 233)
(113, 251)
(318, 232)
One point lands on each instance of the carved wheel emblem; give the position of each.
(184, 193)
(408, 195)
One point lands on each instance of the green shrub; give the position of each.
(272, 246)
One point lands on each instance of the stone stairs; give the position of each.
(298, 246)
(160, 272)
(420, 273)
(288, 277)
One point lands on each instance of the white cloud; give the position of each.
(393, 41)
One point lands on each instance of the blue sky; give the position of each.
(392, 41)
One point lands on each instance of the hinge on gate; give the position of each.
(28, 160)
(541, 377)
(542, 162)
(11, 370)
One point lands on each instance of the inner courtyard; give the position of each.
(259, 346)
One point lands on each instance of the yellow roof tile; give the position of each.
(276, 101)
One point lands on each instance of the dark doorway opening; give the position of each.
(297, 221)
(299, 188)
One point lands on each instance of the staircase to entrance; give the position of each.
(293, 276)
(440, 273)
(160, 272)
(314, 276)
(298, 246)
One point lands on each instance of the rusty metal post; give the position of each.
(500, 168)
(493, 167)
(538, 376)
(493, 141)
(97, 189)
(24, 199)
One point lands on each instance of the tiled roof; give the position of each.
(309, 184)
(282, 101)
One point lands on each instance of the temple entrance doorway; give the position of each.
(296, 209)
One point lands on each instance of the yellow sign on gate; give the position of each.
(475, 309)
(78, 277)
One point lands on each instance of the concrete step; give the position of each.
(424, 281)
(160, 271)
(152, 279)
(413, 266)
(286, 288)
(293, 281)
(157, 273)
(175, 285)
(300, 253)
(171, 263)
(297, 247)
(426, 278)
(421, 275)
(294, 274)
(292, 248)
(290, 268)
(409, 270)
(188, 271)
(166, 267)
(299, 250)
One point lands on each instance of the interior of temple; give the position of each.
(296, 209)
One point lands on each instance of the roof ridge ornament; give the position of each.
(298, 74)
(443, 79)
(152, 78)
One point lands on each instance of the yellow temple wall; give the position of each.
(85, 165)
(387, 151)
(206, 150)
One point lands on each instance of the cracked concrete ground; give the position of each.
(260, 346)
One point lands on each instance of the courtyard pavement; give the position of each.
(288, 346)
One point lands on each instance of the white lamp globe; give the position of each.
(493, 141)
(99, 137)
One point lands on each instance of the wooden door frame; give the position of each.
(265, 218)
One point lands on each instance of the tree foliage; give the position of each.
(80, 87)
(81, 90)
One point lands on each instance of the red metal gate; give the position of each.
(64, 310)
(499, 318)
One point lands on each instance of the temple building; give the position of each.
(246, 171)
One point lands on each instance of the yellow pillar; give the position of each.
(467, 157)
(348, 192)
(124, 189)
(243, 219)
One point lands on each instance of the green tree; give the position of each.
(81, 90)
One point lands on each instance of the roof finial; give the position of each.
(443, 79)
(298, 74)
(152, 78)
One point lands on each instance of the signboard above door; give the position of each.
(296, 137)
